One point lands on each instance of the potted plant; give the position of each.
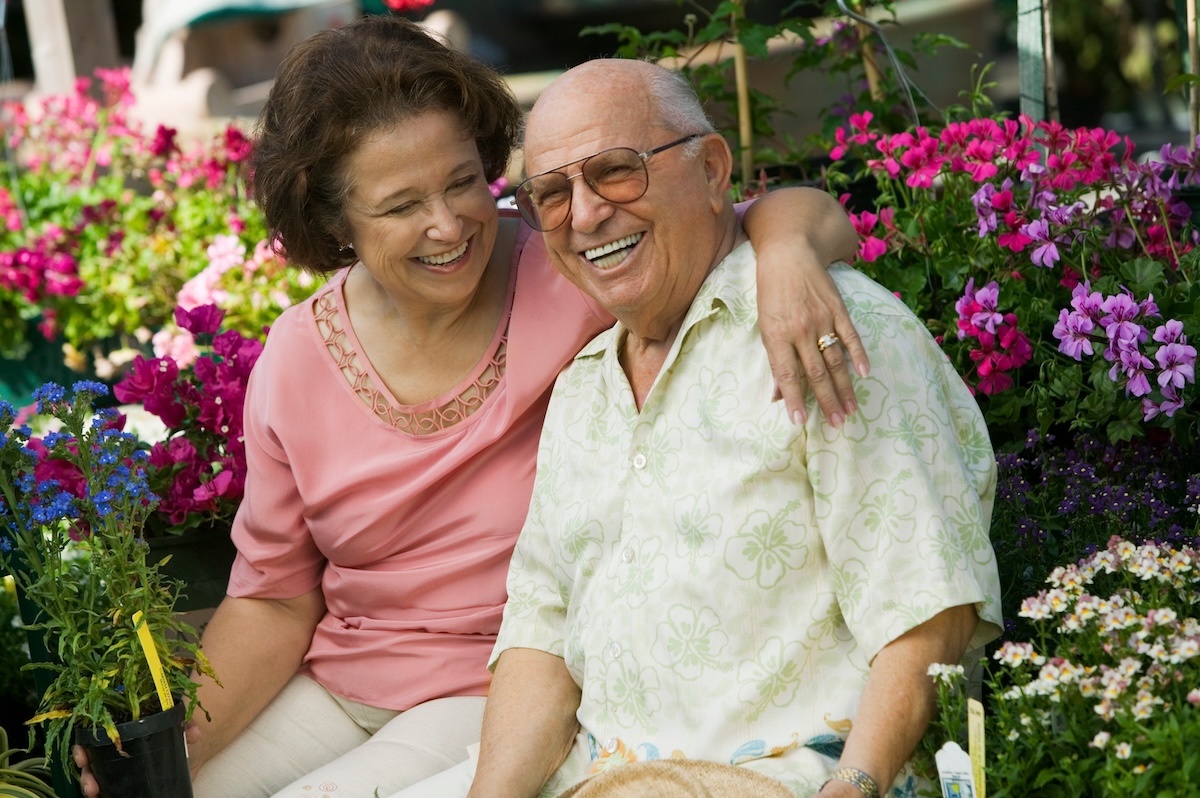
(75, 504)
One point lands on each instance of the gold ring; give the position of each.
(827, 340)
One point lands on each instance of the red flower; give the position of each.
(407, 5)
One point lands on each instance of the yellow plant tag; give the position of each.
(976, 745)
(156, 668)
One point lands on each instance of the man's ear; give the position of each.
(718, 167)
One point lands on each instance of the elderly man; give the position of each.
(699, 579)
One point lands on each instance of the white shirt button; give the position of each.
(610, 745)
(627, 555)
(639, 461)
(614, 650)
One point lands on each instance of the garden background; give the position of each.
(1051, 252)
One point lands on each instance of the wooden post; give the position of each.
(742, 83)
(1037, 72)
(68, 38)
(1193, 40)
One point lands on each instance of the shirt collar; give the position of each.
(730, 286)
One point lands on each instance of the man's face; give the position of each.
(644, 260)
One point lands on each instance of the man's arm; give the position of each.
(797, 233)
(899, 699)
(529, 724)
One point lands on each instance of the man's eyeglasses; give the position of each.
(618, 175)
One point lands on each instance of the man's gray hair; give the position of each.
(678, 106)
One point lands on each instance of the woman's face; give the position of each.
(421, 217)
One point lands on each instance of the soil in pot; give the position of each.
(154, 763)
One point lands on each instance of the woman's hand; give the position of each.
(798, 304)
(87, 780)
(811, 342)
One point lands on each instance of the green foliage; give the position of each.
(74, 505)
(25, 777)
(702, 48)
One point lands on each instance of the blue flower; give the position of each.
(5, 544)
(49, 395)
(52, 439)
(90, 387)
(62, 505)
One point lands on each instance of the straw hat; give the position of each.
(678, 778)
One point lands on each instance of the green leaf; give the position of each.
(1186, 80)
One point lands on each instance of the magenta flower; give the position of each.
(202, 320)
(858, 123)
(1169, 332)
(924, 160)
(1170, 403)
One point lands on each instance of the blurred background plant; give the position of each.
(711, 49)
(105, 224)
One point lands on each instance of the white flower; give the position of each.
(1124, 750)
(1036, 607)
(946, 674)
(1100, 740)
(1016, 654)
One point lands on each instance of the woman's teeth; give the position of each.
(611, 253)
(441, 260)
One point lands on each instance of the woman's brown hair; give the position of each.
(336, 88)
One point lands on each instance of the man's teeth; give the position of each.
(439, 260)
(611, 253)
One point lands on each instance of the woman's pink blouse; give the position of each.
(409, 537)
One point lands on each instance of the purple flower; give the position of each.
(1177, 361)
(1170, 332)
(1046, 253)
(1073, 332)
(1088, 302)
(987, 298)
(982, 200)
(1170, 403)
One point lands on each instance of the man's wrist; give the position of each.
(857, 782)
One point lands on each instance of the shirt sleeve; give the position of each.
(535, 615)
(277, 557)
(904, 490)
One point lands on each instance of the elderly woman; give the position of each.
(392, 421)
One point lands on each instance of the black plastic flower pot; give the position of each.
(153, 763)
